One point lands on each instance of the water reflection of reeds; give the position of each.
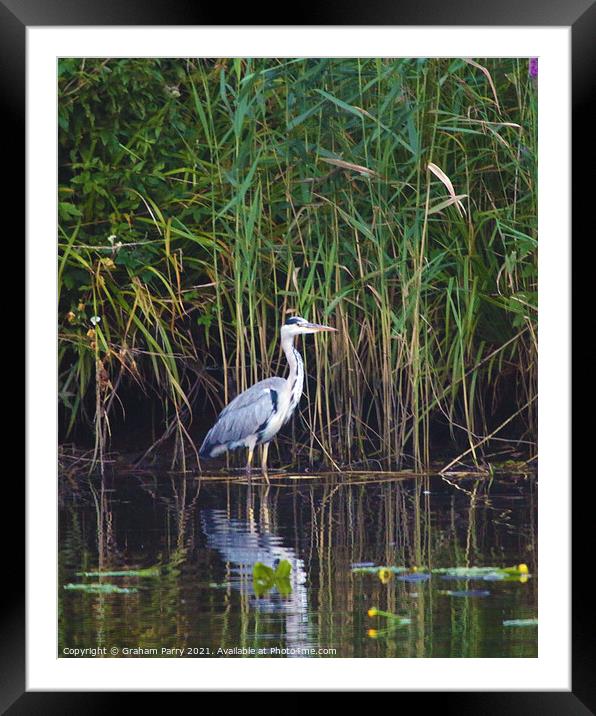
(322, 526)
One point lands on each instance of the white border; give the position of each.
(551, 670)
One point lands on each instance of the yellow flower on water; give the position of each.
(385, 575)
(522, 568)
(373, 611)
(372, 633)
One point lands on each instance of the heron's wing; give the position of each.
(245, 415)
(255, 394)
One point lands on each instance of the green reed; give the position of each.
(200, 201)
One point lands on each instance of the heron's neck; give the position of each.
(296, 376)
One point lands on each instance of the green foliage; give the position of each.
(147, 572)
(375, 570)
(100, 588)
(265, 578)
(520, 622)
(199, 200)
(518, 573)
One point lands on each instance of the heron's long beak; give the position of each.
(319, 327)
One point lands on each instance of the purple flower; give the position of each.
(533, 67)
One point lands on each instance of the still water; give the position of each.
(200, 539)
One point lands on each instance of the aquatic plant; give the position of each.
(265, 578)
(100, 588)
(147, 572)
(520, 622)
(517, 573)
(385, 575)
(394, 621)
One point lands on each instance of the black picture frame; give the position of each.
(579, 15)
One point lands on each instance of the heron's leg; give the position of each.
(249, 463)
(264, 460)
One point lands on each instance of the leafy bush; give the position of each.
(200, 200)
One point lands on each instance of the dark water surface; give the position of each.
(206, 535)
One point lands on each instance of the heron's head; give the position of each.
(295, 325)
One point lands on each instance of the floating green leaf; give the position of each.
(517, 573)
(520, 622)
(148, 572)
(283, 570)
(100, 588)
(264, 578)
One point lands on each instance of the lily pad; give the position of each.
(464, 572)
(100, 588)
(518, 573)
(520, 622)
(505, 577)
(414, 577)
(147, 572)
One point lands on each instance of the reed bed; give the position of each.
(200, 201)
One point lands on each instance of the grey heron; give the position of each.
(256, 415)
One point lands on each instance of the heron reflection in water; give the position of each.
(244, 540)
